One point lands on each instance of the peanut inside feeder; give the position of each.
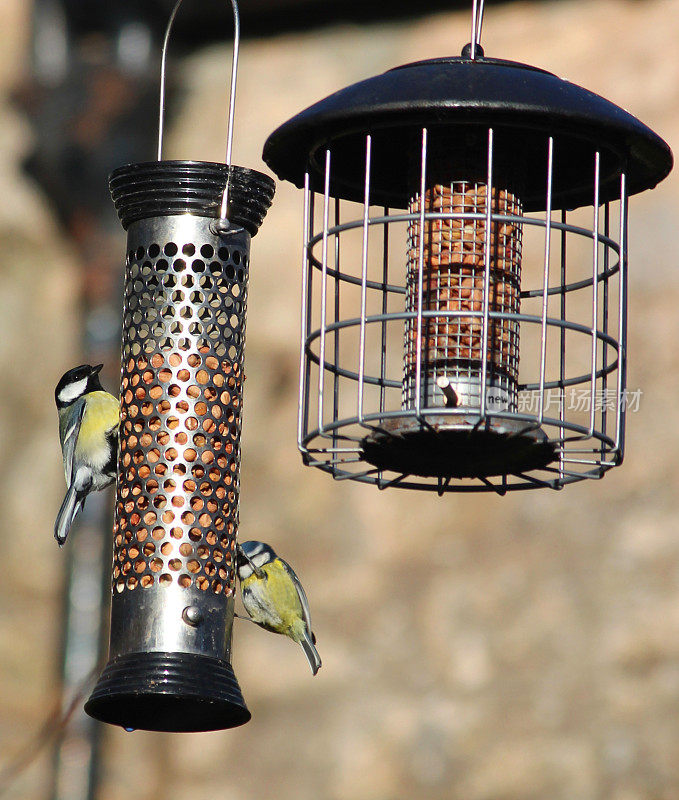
(452, 252)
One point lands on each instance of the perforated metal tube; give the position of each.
(181, 390)
(176, 514)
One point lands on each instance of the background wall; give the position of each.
(474, 647)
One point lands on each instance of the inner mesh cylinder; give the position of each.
(453, 271)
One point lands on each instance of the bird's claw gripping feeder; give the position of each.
(189, 226)
(428, 360)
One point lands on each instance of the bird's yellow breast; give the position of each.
(102, 413)
(277, 591)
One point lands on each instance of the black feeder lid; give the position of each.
(457, 100)
(162, 188)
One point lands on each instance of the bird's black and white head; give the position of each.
(77, 382)
(252, 556)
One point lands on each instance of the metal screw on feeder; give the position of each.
(428, 191)
(189, 225)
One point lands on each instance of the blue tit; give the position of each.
(274, 598)
(88, 432)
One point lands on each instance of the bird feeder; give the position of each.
(189, 226)
(464, 298)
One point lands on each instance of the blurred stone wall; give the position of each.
(474, 648)
(38, 332)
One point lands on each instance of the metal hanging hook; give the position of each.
(477, 25)
(232, 100)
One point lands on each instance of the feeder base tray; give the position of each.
(174, 692)
(453, 447)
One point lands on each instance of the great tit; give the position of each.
(274, 598)
(88, 432)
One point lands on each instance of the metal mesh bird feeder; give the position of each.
(464, 300)
(189, 226)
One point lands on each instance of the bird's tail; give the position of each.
(308, 641)
(69, 510)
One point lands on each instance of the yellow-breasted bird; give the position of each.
(88, 432)
(274, 598)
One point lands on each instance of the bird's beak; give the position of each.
(242, 558)
(96, 370)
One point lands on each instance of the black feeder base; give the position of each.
(450, 447)
(172, 692)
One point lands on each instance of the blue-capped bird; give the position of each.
(274, 598)
(88, 432)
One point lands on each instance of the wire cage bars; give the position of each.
(465, 276)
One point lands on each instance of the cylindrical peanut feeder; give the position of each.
(176, 513)
(189, 225)
(464, 290)
(452, 253)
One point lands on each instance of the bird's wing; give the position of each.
(306, 613)
(70, 440)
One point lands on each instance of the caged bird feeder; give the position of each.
(189, 226)
(464, 299)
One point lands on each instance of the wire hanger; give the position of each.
(477, 25)
(223, 223)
